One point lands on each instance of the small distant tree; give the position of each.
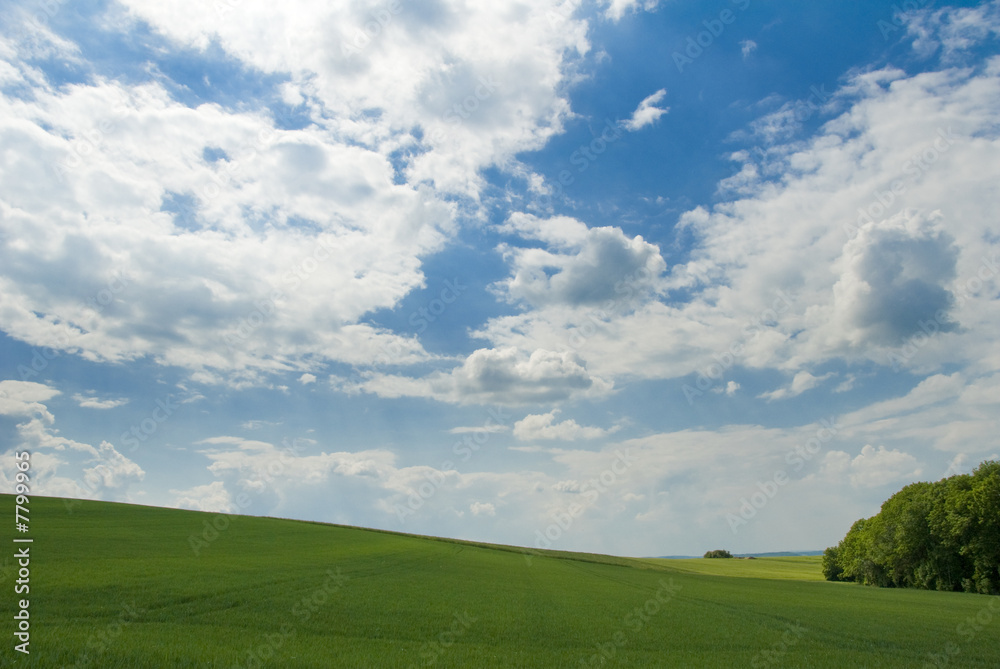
(718, 554)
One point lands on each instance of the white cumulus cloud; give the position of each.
(543, 426)
(499, 376)
(872, 467)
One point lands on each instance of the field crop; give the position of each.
(116, 585)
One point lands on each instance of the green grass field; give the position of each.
(120, 586)
(781, 568)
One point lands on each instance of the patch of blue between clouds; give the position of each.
(644, 181)
(456, 296)
(192, 76)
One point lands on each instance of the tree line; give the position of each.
(937, 536)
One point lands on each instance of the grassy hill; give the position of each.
(117, 585)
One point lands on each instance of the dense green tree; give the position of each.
(856, 552)
(950, 526)
(943, 536)
(832, 570)
(906, 539)
(983, 547)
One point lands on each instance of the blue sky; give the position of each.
(635, 277)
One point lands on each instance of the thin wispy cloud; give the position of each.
(647, 112)
(90, 402)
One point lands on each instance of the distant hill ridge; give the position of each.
(755, 555)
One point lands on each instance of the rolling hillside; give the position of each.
(116, 585)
